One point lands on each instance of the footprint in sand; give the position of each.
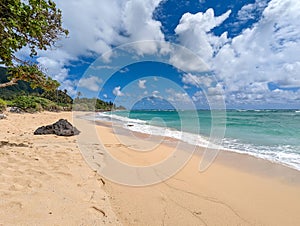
(13, 206)
(115, 145)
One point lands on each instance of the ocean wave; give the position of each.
(141, 126)
(283, 154)
(110, 117)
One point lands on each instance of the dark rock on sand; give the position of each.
(3, 116)
(60, 128)
(15, 110)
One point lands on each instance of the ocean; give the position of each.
(273, 135)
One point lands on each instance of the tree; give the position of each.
(36, 24)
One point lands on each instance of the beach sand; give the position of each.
(236, 189)
(44, 180)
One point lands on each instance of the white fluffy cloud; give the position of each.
(195, 80)
(268, 52)
(246, 64)
(194, 32)
(249, 11)
(95, 26)
(55, 62)
(156, 93)
(177, 96)
(139, 25)
(141, 84)
(91, 83)
(117, 91)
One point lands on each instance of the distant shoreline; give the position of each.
(259, 150)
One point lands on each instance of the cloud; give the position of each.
(139, 24)
(117, 91)
(90, 83)
(251, 11)
(268, 52)
(198, 96)
(195, 80)
(141, 84)
(194, 32)
(245, 64)
(124, 70)
(156, 93)
(95, 26)
(177, 96)
(186, 60)
(54, 63)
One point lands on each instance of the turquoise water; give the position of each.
(268, 134)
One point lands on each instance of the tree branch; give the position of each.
(10, 83)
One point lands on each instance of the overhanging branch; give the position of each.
(10, 83)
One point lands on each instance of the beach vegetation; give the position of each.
(38, 99)
(92, 104)
(35, 104)
(3, 105)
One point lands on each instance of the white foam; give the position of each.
(141, 126)
(284, 154)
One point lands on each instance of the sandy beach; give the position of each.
(45, 180)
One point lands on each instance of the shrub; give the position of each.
(2, 105)
(80, 107)
(33, 104)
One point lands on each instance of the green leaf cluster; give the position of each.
(92, 104)
(34, 104)
(2, 105)
(58, 96)
(33, 23)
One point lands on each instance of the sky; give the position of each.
(244, 53)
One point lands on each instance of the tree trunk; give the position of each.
(10, 83)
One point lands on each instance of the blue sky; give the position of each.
(249, 51)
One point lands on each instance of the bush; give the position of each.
(2, 105)
(34, 104)
(81, 107)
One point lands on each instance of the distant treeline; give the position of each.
(29, 99)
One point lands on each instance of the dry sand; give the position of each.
(45, 181)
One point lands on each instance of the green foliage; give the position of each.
(33, 23)
(33, 104)
(25, 97)
(2, 105)
(21, 88)
(92, 104)
(58, 96)
(31, 73)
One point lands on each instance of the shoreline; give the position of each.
(222, 149)
(233, 150)
(263, 167)
(238, 189)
